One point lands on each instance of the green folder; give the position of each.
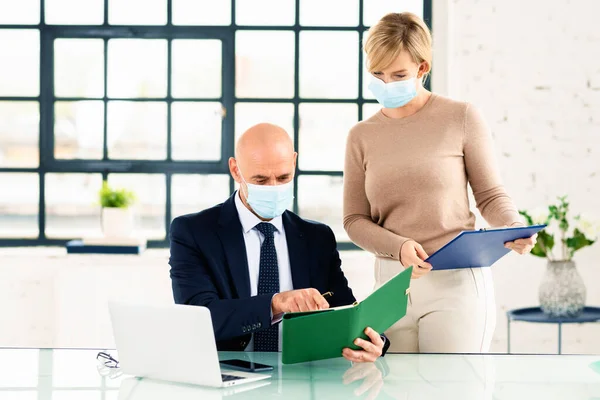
(318, 335)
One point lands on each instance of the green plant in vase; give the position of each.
(117, 215)
(562, 292)
(115, 198)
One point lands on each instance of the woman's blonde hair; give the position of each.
(394, 33)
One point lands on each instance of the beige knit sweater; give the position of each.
(407, 178)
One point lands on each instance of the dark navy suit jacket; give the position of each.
(209, 268)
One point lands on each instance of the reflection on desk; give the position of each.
(70, 374)
(146, 389)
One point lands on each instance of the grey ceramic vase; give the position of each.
(562, 292)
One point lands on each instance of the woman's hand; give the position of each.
(412, 253)
(522, 246)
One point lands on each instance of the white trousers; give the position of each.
(450, 311)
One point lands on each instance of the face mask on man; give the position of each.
(269, 201)
(393, 94)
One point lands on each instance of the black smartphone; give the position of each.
(247, 366)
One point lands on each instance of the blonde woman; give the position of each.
(405, 192)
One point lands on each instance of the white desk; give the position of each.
(28, 374)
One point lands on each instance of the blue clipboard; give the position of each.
(482, 248)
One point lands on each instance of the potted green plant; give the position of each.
(562, 292)
(117, 214)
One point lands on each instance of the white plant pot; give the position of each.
(117, 222)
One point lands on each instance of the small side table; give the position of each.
(536, 315)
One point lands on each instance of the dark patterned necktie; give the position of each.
(268, 283)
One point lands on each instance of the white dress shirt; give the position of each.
(253, 239)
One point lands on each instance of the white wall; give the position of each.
(533, 67)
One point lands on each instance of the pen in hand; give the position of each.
(326, 295)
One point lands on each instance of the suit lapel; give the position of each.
(298, 252)
(232, 238)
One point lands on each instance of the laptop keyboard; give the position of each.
(227, 378)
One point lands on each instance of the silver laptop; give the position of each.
(172, 343)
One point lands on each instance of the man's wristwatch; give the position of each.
(386, 345)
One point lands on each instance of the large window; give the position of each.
(151, 95)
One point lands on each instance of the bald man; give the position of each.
(249, 260)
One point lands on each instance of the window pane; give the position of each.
(20, 66)
(329, 65)
(150, 191)
(74, 12)
(366, 75)
(19, 133)
(260, 70)
(137, 12)
(79, 67)
(265, 12)
(367, 94)
(137, 130)
(250, 114)
(19, 200)
(197, 68)
(320, 199)
(137, 68)
(20, 12)
(370, 109)
(375, 9)
(78, 129)
(201, 12)
(196, 131)
(193, 193)
(72, 205)
(323, 132)
(329, 12)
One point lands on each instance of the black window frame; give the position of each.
(226, 34)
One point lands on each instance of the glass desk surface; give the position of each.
(63, 374)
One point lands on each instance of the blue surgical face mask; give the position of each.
(393, 94)
(269, 201)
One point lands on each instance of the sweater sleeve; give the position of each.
(358, 223)
(483, 174)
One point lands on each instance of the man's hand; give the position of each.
(298, 300)
(371, 350)
(412, 253)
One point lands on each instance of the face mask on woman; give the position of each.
(393, 94)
